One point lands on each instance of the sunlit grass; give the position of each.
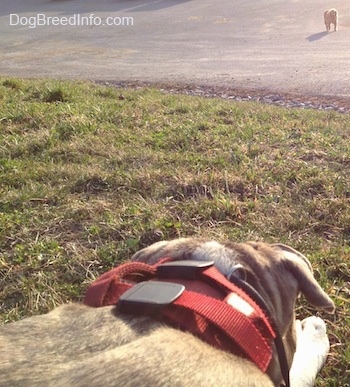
(90, 174)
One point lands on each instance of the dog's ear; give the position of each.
(297, 264)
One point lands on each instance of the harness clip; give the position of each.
(149, 297)
(182, 269)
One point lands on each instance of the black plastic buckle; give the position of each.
(182, 269)
(149, 297)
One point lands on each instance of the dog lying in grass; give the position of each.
(100, 344)
(331, 17)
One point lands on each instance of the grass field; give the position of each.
(90, 174)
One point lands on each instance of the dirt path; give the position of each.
(259, 46)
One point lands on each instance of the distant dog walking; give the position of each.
(331, 17)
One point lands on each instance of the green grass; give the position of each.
(90, 174)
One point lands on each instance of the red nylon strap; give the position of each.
(231, 325)
(213, 274)
(201, 309)
(253, 334)
(107, 289)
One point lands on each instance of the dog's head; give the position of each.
(278, 272)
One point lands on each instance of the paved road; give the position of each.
(275, 45)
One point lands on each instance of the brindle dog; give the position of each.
(77, 345)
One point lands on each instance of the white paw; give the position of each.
(311, 352)
(314, 329)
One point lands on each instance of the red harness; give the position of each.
(195, 297)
